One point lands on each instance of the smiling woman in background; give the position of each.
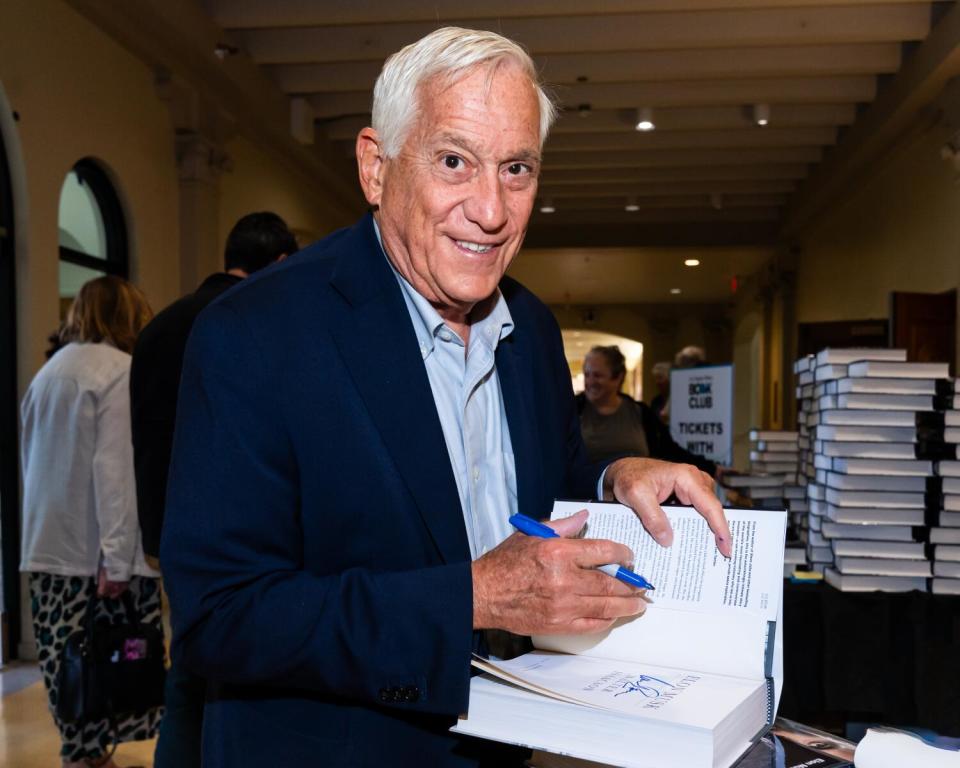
(614, 424)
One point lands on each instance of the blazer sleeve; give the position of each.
(245, 610)
(663, 446)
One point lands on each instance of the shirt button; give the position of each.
(445, 335)
(476, 474)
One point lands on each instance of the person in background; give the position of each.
(690, 357)
(613, 424)
(661, 380)
(256, 241)
(80, 530)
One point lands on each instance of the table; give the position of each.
(871, 657)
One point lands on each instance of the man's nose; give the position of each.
(486, 205)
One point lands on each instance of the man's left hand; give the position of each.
(642, 484)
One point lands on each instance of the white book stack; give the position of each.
(871, 420)
(776, 453)
(944, 534)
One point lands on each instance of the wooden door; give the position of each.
(925, 324)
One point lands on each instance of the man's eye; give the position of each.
(517, 169)
(453, 162)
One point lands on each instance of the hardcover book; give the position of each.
(649, 692)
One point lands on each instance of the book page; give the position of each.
(707, 613)
(692, 574)
(655, 692)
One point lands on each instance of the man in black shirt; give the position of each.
(256, 241)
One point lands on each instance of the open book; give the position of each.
(692, 682)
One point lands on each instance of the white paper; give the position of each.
(888, 748)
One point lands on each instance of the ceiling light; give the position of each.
(761, 114)
(583, 110)
(222, 50)
(674, 291)
(631, 206)
(548, 206)
(691, 262)
(645, 119)
(716, 201)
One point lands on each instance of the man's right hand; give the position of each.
(529, 585)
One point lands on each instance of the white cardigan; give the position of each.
(79, 493)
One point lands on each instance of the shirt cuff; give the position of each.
(600, 483)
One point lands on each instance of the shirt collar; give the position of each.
(427, 323)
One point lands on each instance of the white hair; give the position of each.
(448, 52)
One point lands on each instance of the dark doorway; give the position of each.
(925, 324)
(812, 337)
(9, 460)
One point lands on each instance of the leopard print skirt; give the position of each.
(59, 604)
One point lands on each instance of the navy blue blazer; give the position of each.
(314, 546)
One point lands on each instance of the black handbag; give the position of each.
(109, 671)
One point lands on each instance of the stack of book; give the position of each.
(775, 454)
(871, 427)
(944, 534)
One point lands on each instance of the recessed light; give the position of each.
(675, 291)
(691, 262)
(761, 114)
(645, 119)
(631, 206)
(548, 206)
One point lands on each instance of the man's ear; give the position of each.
(370, 165)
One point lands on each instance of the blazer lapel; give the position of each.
(379, 347)
(520, 417)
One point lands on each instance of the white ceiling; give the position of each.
(707, 175)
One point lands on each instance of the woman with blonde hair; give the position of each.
(80, 530)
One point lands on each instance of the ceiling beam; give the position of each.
(600, 33)
(678, 158)
(749, 136)
(667, 234)
(599, 176)
(626, 66)
(773, 91)
(582, 216)
(916, 86)
(252, 14)
(607, 202)
(668, 119)
(666, 187)
(178, 40)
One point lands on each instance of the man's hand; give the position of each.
(642, 484)
(531, 585)
(107, 588)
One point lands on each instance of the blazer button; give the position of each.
(411, 693)
(385, 695)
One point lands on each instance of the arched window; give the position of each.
(93, 234)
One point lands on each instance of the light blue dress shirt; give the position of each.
(466, 390)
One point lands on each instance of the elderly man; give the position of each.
(356, 426)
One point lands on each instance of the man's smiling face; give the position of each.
(456, 200)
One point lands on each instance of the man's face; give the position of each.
(456, 200)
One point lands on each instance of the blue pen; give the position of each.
(531, 527)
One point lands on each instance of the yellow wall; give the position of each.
(84, 96)
(87, 96)
(80, 94)
(259, 183)
(898, 230)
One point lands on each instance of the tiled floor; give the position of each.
(28, 737)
